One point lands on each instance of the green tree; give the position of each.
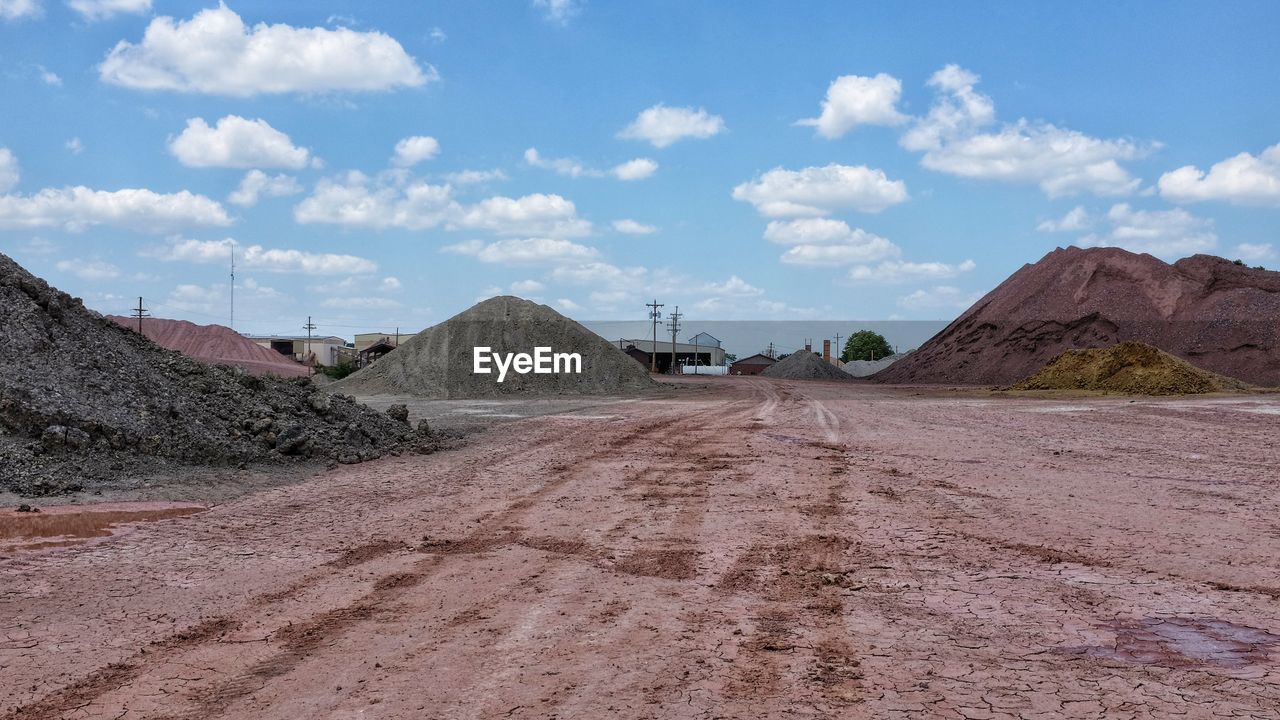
(866, 345)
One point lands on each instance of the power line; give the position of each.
(140, 312)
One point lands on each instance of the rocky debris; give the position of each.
(1220, 316)
(1130, 368)
(805, 365)
(438, 362)
(399, 412)
(216, 345)
(85, 403)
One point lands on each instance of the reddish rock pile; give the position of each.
(1220, 316)
(214, 344)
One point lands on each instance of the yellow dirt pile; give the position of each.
(1129, 368)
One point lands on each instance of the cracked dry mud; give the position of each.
(749, 549)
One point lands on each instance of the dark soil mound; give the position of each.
(804, 365)
(1130, 368)
(87, 403)
(214, 344)
(438, 362)
(1220, 316)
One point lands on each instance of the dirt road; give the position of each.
(750, 549)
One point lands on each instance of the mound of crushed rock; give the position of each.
(214, 344)
(867, 368)
(85, 403)
(1220, 316)
(1129, 368)
(438, 362)
(805, 365)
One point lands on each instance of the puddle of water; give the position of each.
(64, 525)
(1186, 642)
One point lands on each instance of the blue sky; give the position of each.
(384, 164)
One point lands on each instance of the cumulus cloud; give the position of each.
(475, 177)
(1060, 161)
(9, 174)
(89, 269)
(939, 297)
(413, 150)
(1256, 252)
(524, 287)
(733, 287)
(257, 257)
(1075, 219)
(519, 251)
(568, 305)
(256, 184)
(390, 283)
(355, 200)
(820, 241)
(892, 272)
(77, 208)
(74, 146)
(216, 53)
(92, 10)
(821, 190)
(19, 9)
(537, 214)
(1240, 180)
(235, 142)
(567, 167)
(48, 77)
(854, 100)
(559, 12)
(628, 226)
(637, 169)
(662, 126)
(1163, 233)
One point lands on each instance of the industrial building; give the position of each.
(687, 353)
(394, 339)
(753, 365)
(319, 349)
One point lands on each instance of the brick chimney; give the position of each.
(826, 351)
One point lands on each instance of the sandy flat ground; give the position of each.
(744, 549)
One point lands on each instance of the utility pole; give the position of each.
(695, 354)
(674, 317)
(397, 336)
(307, 355)
(654, 314)
(140, 312)
(233, 287)
(769, 352)
(839, 350)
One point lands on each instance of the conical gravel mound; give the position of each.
(805, 365)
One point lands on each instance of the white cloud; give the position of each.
(413, 150)
(661, 125)
(354, 200)
(514, 251)
(18, 9)
(567, 167)
(76, 208)
(48, 77)
(568, 305)
(92, 10)
(733, 287)
(1060, 161)
(256, 184)
(821, 190)
(236, 142)
(390, 283)
(74, 146)
(820, 241)
(628, 226)
(475, 177)
(491, 291)
(854, 100)
(1240, 180)
(524, 287)
(940, 297)
(1164, 233)
(1256, 252)
(9, 174)
(215, 299)
(536, 215)
(1076, 219)
(437, 35)
(559, 12)
(361, 303)
(215, 53)
(257, 257)
(892, 272)
(90, 269)
(637, 169)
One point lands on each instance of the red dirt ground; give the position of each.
(748, 549)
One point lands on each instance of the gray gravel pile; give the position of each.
(804, 365)
(438, 362)
(866, 368)
(85, 403)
